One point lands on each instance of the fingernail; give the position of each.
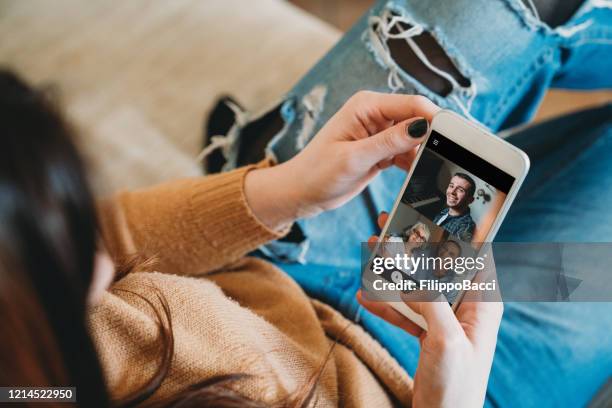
(417, 128)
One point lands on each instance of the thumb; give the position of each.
(397, 139)
(438, 315)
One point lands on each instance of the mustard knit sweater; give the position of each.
(230, 313)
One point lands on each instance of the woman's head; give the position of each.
(47, 247)
(417, 234)
(50, 269)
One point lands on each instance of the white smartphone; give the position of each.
(456, 195)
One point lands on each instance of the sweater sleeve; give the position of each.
(189, 226)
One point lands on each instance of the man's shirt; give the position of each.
(461, 226)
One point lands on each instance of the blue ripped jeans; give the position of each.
(555, 354)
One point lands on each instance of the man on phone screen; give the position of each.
(456, 218)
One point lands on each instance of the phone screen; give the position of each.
(447, 209)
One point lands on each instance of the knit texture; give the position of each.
(230, 313)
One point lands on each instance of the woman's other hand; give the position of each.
(372, 131)
(456, 350)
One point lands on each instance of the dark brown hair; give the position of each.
(47, 249)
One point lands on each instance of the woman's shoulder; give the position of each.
(212, 333)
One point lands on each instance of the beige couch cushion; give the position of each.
(138, 76)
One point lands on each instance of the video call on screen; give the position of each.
(452, 194)
(449, 207)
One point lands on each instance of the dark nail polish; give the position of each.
(417, 128)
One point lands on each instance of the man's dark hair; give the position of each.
(470, 180)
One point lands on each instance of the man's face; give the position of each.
(457, 193)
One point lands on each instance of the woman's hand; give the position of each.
(456, 350)
(370, 132)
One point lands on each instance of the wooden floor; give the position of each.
(344, 13)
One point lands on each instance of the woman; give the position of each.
(209, 326)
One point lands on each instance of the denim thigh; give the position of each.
(507, 57)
